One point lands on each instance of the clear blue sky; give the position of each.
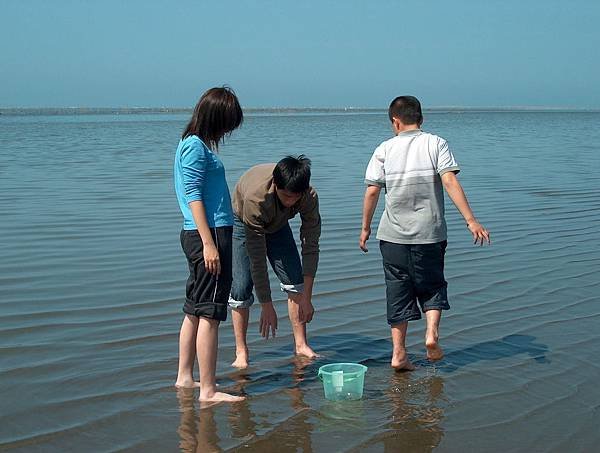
(300, 53)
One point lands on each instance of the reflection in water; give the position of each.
(240, 417)
(294, 434)
(416, 413)
(198, 432)
(414, 418)
(411, 406)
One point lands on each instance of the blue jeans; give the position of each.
(282, 254)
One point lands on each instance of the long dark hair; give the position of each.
(216, 114)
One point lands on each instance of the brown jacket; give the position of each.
(256, 204)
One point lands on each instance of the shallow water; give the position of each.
(92, 278)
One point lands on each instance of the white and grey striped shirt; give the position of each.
(409, 167)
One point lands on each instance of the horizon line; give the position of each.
(75, 110)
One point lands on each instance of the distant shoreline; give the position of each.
(51, 111)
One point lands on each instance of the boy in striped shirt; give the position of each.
(413, 168)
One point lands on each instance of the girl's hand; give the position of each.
(212, 263)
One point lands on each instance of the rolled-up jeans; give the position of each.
(282, 254)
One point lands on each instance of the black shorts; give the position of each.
(413, 273)
(206, 295)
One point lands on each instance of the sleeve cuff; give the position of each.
(370, 182)
(447, 169)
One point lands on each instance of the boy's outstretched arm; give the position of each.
(369, 205)
(458, 197)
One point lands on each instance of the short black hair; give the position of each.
(407, 109)
(216, 114)
(292, 174)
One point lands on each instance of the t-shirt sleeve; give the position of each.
(445, 161)
(375, 174)
(193, 163)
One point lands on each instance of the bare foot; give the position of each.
(241, 360)
(220, 397)
(434, 350)
(187, 384)
(240, 363)
(306, 351)
(401, 362)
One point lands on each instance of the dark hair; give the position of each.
(216, 114)
(292, 174)
(407, 109)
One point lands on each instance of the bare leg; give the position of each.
(187, 353)
(206, 348)
(240, 318)
(299, 328)
(434, 351)
(400, 359)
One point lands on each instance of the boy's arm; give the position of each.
(256, 246)
(310, 232)
(369, 205)
(458, 197)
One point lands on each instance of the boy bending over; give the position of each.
(264, 200)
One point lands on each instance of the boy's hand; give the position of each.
(305, 310)
(364, 237)
(479, 233)
(212, 263)
(268, 320)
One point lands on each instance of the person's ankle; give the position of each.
(208, 390)
(300, 344)
(399, 351)
(432, 335)
(185, 377)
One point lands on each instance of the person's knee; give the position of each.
(211, 322)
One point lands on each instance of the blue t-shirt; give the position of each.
(200, 176)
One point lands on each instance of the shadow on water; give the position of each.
(372, 352)
(509, 346)
(277, 375)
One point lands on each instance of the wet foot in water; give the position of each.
(241, 360)
(306, 351)
(434, 350)
(401, 362)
